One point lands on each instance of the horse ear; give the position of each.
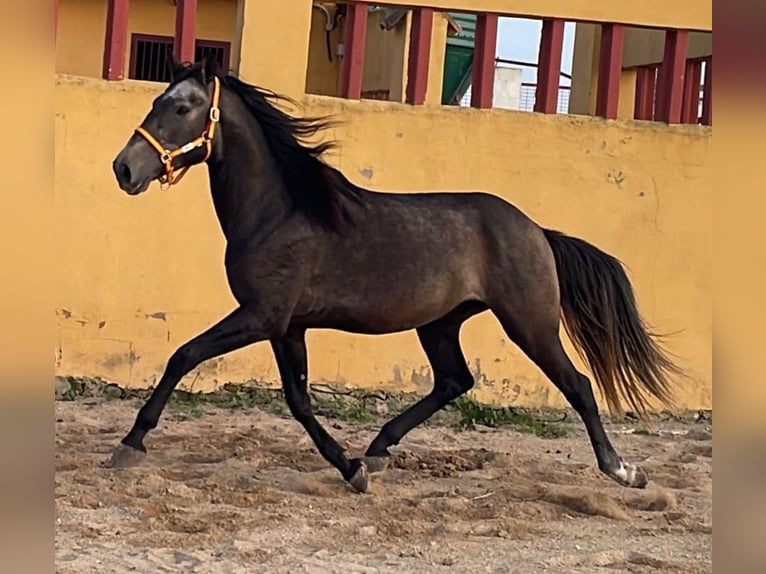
(174, 66)
(210, 68)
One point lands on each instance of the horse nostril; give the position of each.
(125, 172)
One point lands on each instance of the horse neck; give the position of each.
(248, 192)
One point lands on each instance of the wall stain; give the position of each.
(616, 178)
(366, 173)
(423, 377)
(158, 315)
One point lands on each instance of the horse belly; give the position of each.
(390, 303)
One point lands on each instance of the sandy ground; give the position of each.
(245, 492)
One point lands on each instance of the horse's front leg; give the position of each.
(239, 329)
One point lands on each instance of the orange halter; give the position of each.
(206, 139)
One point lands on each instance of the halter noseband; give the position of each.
(167, 156)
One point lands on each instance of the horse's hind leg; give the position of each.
(538, 337)
(290, 353)
(441, 343)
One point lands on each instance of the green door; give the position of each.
(458, 59)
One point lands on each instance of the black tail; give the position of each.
(602, 320)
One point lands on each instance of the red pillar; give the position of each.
(116, 40)
(646, 81)
(419, 56)
(186, 24)
(707, 93)
(353, 59)
(56, 19)
(483, 73)
(549, 66)
(671, 78)
(691, 101)
(609, 70)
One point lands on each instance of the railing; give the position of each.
(528, 90)
(695, 105)
(527, 98)
(663, 93)
(673, 83)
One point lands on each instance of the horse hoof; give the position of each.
(125, 456)
(360, 479)
(629, 475)
(376, 463)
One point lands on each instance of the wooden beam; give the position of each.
(646, 82)
(419, 56)
(671, 78)
(609, 70)
(353, 59)
(185, 37)
(691, 100)
(707, 93)
(116, 40)
(483, 73)
(549, 66)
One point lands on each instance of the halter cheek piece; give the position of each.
(206, 139)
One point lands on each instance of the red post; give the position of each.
(671, 80)
(646, 81)
(353, 59)
(549, 66)
(419, 56)
(691, 101)
(483, 73)
(186, 24)
(609, 70)
(707, 93)
(116, 40)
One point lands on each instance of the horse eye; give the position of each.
(182, 110)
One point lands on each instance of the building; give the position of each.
(139, 276)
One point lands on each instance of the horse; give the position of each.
(308, 249)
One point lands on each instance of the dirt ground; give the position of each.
(244, 491)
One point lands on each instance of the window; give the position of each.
(151, 56)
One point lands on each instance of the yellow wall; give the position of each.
(77, 52)
(80, 41)
(386, 54)
(322, 75)
(385, 61)
(139, 276)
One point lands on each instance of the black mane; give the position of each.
(319, 190)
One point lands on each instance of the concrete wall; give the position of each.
(139, 276)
